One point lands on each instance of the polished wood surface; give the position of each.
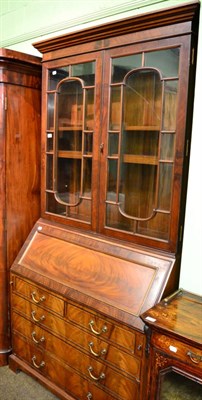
(20, 117)
(174, 334)
(67, 332)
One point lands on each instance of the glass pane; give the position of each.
(56, 75)
(170, 105)
(167, 146)
(87, 177)
(115, 220)
(165, 186)
(176, 386)
(166, 61)
(53, 206)
(157, 227)
(115, 108)
(70, 104)
(140, 143)
(49, 173)
(88, 143)
(142, 99)
(122, 65)
(113, 144)
(85, 71)
(70, 140)
(89, 109)
(69, 180)
(112, 180)
(49, 141)
(138, 186)
(82, 212)
(50, 111)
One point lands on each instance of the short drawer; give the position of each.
(175, 348)
(38, 295)
(74, 336)
(131, 341)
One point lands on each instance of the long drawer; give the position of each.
(59, 373)
(99, 349)
(89, 368)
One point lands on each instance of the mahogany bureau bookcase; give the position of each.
(20, 120)
(116, 121)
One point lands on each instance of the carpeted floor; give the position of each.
(21, 387)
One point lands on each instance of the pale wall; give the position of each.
(23, 22)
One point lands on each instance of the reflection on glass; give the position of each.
(113, 144)
(56, 75)
(89, 109)
(50, 111)
(88, 143)
(166, 61)
(165, 185)
(85, 71)
(170, 105)
(112, 180)
(167, 146)
(140, 142)
(115, 108)
(122, 65)
(49, 174)
(49, 141)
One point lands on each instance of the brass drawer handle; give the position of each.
(102, 352)
(41, 365)
(35, 319)
(103, 330)
(40, 300)
(102, 375)
(195, 358)
(35, 340)
(89, 396)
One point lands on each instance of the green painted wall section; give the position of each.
(25, 21)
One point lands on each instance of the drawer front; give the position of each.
(38, 295)
(58, 373)
(106, 379)
(133, 342)
(128, 365)
(174, 348)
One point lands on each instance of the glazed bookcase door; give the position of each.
(70, 141)
(144, 143)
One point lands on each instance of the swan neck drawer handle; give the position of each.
(195, 358)
(38, 366)
(37, 301)
(103, 330)
(102, 352)
(35, 319)
(35, 340)
(101, 376)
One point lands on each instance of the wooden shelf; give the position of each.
(136, 159)
(69, 154)
(142, 128)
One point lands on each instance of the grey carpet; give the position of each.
(21, 386)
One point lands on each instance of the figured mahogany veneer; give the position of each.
(20, 120)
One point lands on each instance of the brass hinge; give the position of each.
(181, 231)
(187, 148)
(193, 56)
(5, 103)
